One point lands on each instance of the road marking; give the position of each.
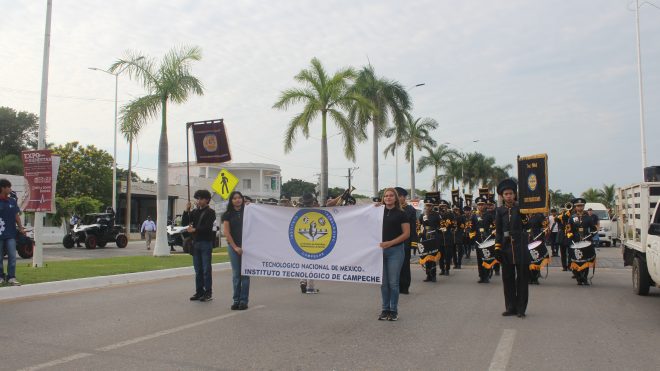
(503, 351)
(57, 362)
(136, 340)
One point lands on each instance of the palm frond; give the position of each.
(137, 113)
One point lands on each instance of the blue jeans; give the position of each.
(241, 283)
(8, 245)
(389, 289)
(202, 264)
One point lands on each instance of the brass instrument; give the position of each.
(567, 207)
(346, 198)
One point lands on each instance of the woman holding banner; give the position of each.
(232, 222)
(396, 231)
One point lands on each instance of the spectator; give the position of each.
(9, 220)
(596, 219)
(148, 230)
(75, 219)
(200, 225)
(554, 229)
(232, 222)
(396, 231)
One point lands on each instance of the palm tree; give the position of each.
(498, 174)
(388, 98)
(607, 194)
(592, 195)
(171, 81)
(453, 172)
(437, 158)
(414, 134)
(130, 129)
(325, 95)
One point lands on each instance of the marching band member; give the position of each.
(468, 232)
(447, 248)
(490, 208)
(458, 234)
(511, 250)
(428, 236)
(580, 228)
(482, 223)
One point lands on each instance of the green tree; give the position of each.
(437, 158)
(84, 171)
(453, 172)
(387, 99)
(18, 131)
(297, 187)
(414, 134)
(11, 164)
(607, 194)
(323, 95)
(83, 205)
(558, 199)
(170, 81)
(592, 195)
(122, 174)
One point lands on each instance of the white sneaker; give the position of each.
(312, 291)
(13, 282)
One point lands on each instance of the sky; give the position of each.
(518, 77)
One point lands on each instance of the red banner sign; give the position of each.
(40, 172)
(211, 145)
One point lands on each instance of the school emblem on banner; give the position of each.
(313, 233)
(533, 188)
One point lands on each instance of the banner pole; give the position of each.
(188, 125)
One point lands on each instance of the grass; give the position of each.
(70, 269)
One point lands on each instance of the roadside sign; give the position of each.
(224, 183)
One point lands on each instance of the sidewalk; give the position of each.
(58, 287)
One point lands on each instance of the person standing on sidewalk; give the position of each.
(9, 221)
(232, 224)
(200, 225)
(148, 230)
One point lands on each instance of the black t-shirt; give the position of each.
(595, 218)
(392, 220)
(235, 220)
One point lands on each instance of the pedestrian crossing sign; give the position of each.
(224, 183)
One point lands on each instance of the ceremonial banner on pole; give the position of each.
(40, 171)
(533, 184)
(329, 243)
(211, 145)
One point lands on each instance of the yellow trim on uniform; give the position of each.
(429, 258)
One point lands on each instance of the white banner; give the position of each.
(328, 243)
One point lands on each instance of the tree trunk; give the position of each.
(412, 173)
(324, 160)
(128, 188)
(162, 248)
(374, 157)
(435, 179)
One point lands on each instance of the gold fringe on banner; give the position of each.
(538, 267)
(489, 265)
(580, 267)
(429, 258)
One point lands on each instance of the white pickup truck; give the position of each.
(638, 225)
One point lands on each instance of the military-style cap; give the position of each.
(456, 207)
(443, 203)
(507, 184)
(579, 201)
(467, 208)
(480, 200)
(400, 191)
(432, 198)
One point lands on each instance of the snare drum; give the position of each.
(487, 249)
(537, 252)
(582, 252)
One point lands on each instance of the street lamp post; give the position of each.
(114, 150)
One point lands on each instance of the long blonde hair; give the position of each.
(397, 204)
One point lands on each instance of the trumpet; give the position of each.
(567, 207)
(346, 198)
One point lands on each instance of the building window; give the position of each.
(247, 184)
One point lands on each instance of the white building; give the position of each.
(256, 180)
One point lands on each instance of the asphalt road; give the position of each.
(454, 324)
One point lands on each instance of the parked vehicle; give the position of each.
(639, 232)
(176, 236)
(96, 230)
(24, 244)
(607, 233)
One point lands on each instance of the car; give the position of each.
(607, 233)
(96, 230)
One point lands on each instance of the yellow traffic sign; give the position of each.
(224, 183)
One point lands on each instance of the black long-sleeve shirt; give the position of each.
(510, 235)
(202, 220)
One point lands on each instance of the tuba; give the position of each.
(346, 198)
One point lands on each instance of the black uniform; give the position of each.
(428, 236)
(482, 225)
(580, 225)
(562, 240)
(496, 267)
(404, 277)
(446, 241)
(511, 245)
(468, 236)
(458, 234)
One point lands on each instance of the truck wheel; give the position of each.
(641, 278)
(26, 250)
(121, 240)
(90, 241)
(68, 241)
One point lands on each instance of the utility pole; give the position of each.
(351, 171)
(641, 90)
